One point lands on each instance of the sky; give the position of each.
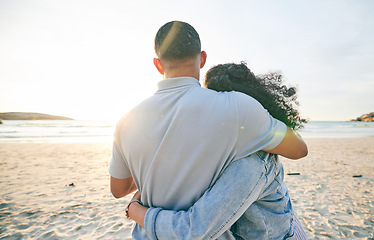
(91, 59)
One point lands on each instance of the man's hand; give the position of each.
(122, 187)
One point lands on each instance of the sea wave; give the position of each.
(55, 131)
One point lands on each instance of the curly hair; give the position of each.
(268, 89)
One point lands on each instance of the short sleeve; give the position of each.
(258, 130)
(118, 167)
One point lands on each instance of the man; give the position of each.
(174, 145)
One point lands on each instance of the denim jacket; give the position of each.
(249, 201)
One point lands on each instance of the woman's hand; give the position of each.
(137, 211)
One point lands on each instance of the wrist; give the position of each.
(137, 212)
(135, 201)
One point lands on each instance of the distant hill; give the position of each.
(365, 118)
(30, 116)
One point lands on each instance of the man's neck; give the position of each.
(182, 74)
(186, 68)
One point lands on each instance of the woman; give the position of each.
(250, 198)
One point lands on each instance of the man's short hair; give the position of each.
(177, 40)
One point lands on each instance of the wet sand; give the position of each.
(61, 191)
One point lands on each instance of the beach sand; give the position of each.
(330, 202)
(61, 191)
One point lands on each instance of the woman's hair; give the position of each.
(268, 89)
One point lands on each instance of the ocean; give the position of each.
(69, 131)
(56, 131)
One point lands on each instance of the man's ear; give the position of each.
(203, 59)
(158, 65)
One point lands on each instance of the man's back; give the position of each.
(176, 143)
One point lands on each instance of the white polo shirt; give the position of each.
(176, 143)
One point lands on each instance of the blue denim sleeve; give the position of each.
(217, 210)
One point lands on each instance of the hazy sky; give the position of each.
(91, 59)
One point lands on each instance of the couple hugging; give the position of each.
(205, 160)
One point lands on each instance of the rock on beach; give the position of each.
(365, 118)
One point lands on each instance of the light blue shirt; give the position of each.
(250, 199)
(177, 143)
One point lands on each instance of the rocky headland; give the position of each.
(365, 118)
(29, 116)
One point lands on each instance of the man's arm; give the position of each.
(122, 187)
(292, 146)
(215, 212)
(236, 189)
